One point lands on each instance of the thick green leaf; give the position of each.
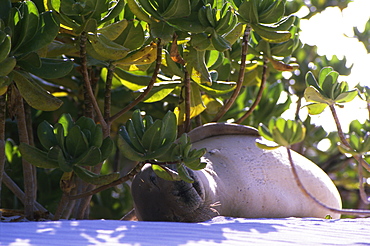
(196, 105)
(54, 152)
(311, 81)
(36, 96)
(29, 28)
(177, 10)
(311, 94)
(36, 157)
(138, 123)
(323, 73)
(7, 65)
(48, 30)
(6, 5)
(355, 126)
(147, 121)
(65, 165)
(132, 81)
(106, 148)
(32, 59)
(355, 141)
(96, 136)
(248, 11)
(218, 87)
(167, 175)
(151, 139)
(132, 37)
(265, 132)
(267, 145)
(345, 150)
(366, 144)
(76, 142)
(343, 87)
(93, 178)
(279, 138)
(288, 130)
(134, 136)
(169, 128)
(316, 108)
(183, 173)
(300, 133)
(283, 49)
(193, 160)
(272, 13)
(50, 68)
(346, 96)
(45, 133)
(197, 67)
(112, 11)
(59, 135)
(328, 86)
(92, 157)
(160, 91)
(200, 41)
(162, 31)
(86, 123)
(127, 150)
(67, 122)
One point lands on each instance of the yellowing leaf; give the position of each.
(161, 91)
(267, 145)
(196, 106)
(212, 105)
(311, 94)
(346, 96)
(36, 96)
(316, 108)
(133, 81)
(279, 138)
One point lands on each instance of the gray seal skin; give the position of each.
(240, 180)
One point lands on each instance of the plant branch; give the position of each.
(363, 194)
(187, 101)
(108, 98)
(240, 80)
(19, 193)
(61, 206)
(355, 212)
(147, 89)
(298, 108)
(259, 95)
(28, 118)
(28, 173)
(2, 140)
(342, 137)
(87, 82)
(67, 183)
(121, 180)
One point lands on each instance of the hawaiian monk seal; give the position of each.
(240, 180)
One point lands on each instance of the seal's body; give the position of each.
(240, 180)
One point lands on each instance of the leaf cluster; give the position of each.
(145, 140)
(358, 139)
(69, 146)
(23, 33)
(327, 91)
(282, 132)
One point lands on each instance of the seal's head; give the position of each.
(157, 199)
